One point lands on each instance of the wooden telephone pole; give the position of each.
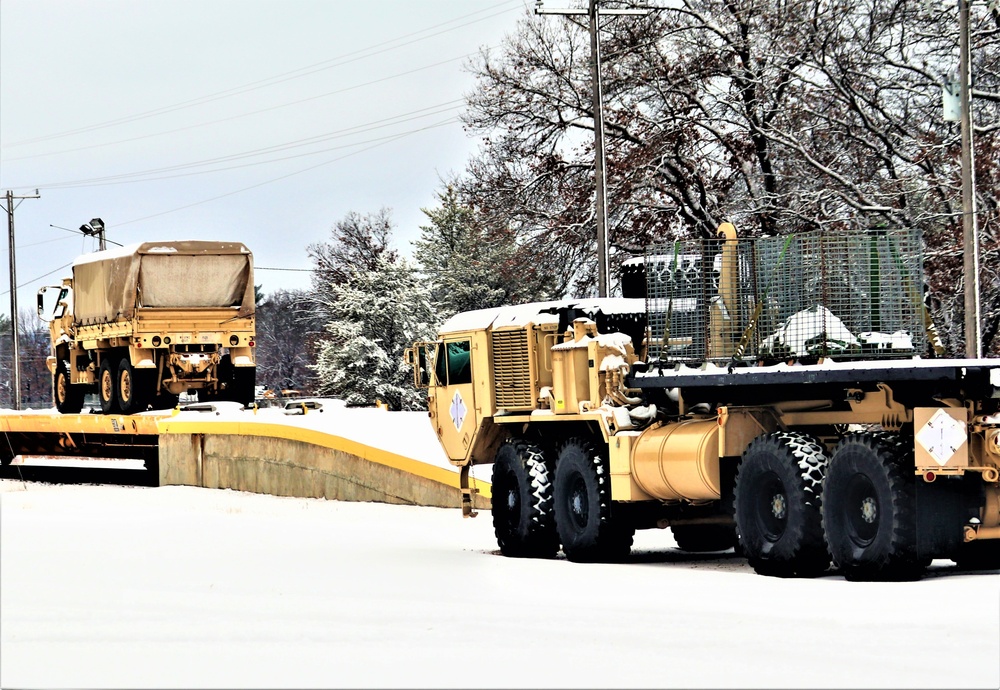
(15, 349)
(593, 11)
(973, 348)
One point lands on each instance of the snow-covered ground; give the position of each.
(104, 586)
(109, 586)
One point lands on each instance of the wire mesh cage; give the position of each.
(845, 295)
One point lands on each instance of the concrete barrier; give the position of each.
(309, 455)
(288, 460)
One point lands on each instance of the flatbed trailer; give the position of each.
(916, 379)
(47, 446)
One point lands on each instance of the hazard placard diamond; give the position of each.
(458, 410)
(941, 436)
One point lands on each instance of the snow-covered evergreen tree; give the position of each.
(356, 243)
(470, 266)
(375, 314)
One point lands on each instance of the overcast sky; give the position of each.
(262, 121)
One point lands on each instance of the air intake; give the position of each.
(512, 385)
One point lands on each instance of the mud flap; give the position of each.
(467, 492)
(944, 507)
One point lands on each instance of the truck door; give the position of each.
(452, 402)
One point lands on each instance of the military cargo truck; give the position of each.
(142, 324)
(783, 396)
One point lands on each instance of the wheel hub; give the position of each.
(863, 519)
(579, 503)
(869, 510)
(779, 506)
(770, 510)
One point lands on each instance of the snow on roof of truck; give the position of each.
(538, 312)
(164, 247)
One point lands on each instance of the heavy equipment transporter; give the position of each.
(784, 396)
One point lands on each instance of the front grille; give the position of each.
(512, 389)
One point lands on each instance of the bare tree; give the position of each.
(356, 242)
(283, 342)
(33, 348)
(779, 115)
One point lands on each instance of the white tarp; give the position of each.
(177, 280)
(109, 285)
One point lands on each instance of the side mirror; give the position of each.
(40, 299)
(416, 357)
(58, 310)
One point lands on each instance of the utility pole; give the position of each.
(593, 11)
(15, 349)
(969, 235)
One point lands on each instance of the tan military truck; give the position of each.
(778, 395)
(140, 325)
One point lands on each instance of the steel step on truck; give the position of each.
(784, 396)
(141, 324)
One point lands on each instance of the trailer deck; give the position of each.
(746, 384)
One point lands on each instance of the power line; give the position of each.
(252, 112)
(278, 79)
(37, 278)
(336, 134)
(36, 244)
(101, 182)
(87, 234)
(281, 177)
(268, 268)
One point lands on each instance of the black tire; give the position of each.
(132, 387)
(778, 501)
(522, 502)
(67, 397)
(979, 555)
(582, 495)
(107, 387)
(869, 510)
(702, 538)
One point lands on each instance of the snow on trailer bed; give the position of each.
(942, 375)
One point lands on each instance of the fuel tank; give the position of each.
(679, 460)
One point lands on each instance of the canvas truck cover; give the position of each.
(111, 284)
